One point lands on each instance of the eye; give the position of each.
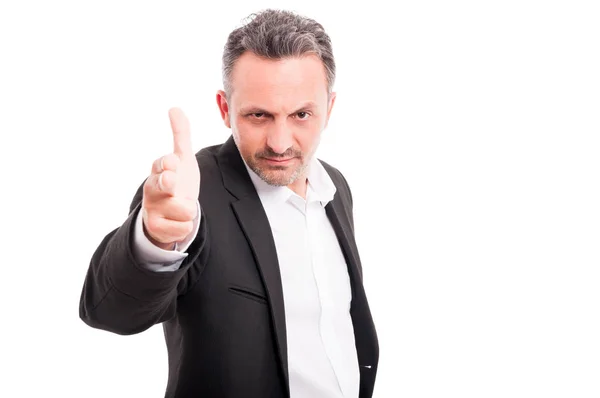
(257, 115)
(302, 115)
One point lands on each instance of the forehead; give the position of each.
(269, 82)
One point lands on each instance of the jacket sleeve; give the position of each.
(155, 258)
(122, 296)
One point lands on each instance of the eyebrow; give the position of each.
(247, 109)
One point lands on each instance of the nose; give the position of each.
(279, 137)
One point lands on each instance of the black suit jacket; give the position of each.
(223, 310)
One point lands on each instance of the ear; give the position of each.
(330, 107)
(223, 107)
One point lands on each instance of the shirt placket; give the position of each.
(326, 328)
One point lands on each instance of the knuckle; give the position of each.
(156, 166)
(170, 162)
(163, 183)
(190, 212)
(160, 182)
(188, 227)
(152, 223)
(148, 185)
(168, 180)
(151, 186)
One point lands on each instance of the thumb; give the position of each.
(182, 138)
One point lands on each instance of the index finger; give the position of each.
(182, 138)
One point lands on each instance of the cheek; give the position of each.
(248, 138)
(309, 136)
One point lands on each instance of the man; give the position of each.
(245, 251)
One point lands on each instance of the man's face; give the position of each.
(277, 111)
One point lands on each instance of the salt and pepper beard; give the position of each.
(267, 175)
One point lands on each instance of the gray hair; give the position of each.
(275, 34)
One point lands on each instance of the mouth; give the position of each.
(278, 161)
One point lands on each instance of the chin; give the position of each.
(280, 178)
(277, 175)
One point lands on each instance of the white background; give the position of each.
(468, 131)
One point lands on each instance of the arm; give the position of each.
(120, 294)
(123, 296)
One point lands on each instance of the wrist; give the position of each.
(164, 246)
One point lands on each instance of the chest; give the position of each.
(313, 270)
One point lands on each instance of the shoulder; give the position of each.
(208, 154)
(207, 159)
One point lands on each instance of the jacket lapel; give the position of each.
(254, 222)
(364, 330)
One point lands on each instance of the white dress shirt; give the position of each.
(322, 358)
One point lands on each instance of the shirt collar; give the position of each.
(320, 186)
